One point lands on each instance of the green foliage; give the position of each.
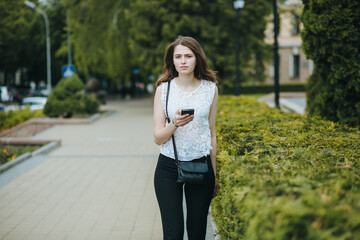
(155, 24)
(331, 38)
(9, 153)
(100, 37)
(14, 118)
(285, 176)
(110, 37)
(13, 16)
(22, 38)
(67, 98)
(267, 89)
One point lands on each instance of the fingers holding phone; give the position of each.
(183, 117)
(189, 111)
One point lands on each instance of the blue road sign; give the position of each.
(67, 70)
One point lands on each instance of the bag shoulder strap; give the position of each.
(168, 119)
(167, 100)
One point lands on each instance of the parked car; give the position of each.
(35, 103)
(20, 92)
(5, 94)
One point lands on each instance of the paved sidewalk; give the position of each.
(286, 103)
(97, 185)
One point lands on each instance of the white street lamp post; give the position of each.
(47, 30)
(238, 4)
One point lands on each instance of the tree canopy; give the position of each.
(111, 37)
(22, 38)
(15, 24)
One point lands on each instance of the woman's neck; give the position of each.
(187, 82)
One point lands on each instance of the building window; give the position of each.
(295, 23)
(294, 66)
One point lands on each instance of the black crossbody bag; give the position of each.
(188, 171)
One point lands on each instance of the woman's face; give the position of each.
(184, 60)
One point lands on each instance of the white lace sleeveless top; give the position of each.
(194, 139)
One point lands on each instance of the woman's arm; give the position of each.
(212, 121)
(163, 132)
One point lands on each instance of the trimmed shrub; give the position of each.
(68, 99)
(284, 175)
(295, 87)
(331, 38)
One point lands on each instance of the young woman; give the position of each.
(192, 85)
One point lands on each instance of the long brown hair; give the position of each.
(201, 70)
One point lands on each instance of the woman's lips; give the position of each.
(183, 67)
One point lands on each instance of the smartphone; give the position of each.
(187, 111)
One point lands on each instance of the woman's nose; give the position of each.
(183, 59)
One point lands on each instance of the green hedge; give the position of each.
(13, 118)
(285, 176)
(296, 87)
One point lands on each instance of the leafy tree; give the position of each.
(22, 38)
(331, 38)
(100, 37)
(157, 23)
(14, 22)
(111, 37)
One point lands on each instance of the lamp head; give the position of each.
(30, 4)
(239, 4)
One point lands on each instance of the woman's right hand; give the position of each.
(182, 120)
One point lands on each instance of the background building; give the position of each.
(293, 65)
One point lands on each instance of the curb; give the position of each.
(27, 141)
(216, 235)
(292, 107)
(94, 117)
(41, 151)
(46, 149)
(285, 104)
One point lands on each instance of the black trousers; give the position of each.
(169, 194)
